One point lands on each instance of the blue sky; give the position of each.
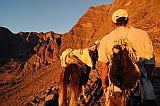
(44, 15)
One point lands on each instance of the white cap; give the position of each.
(119, 13)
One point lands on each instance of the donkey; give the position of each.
(76, 73)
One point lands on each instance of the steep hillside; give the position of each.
(27, 58)
(28, 51)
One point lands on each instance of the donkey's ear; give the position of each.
(95, 46)
(96, 42)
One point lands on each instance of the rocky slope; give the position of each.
(28, 51)
(25, 57)
(29, 61)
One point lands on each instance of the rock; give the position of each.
(49, 91)
(35, 100)
(49, 97)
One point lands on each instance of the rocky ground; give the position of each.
(26, 90)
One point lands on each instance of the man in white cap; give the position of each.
(141, 43)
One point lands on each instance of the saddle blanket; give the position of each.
(81, 54)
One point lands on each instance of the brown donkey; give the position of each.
(74, 76)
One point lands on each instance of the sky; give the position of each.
(58, 16)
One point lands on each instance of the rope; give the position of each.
(78, 62)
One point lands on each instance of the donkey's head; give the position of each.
(93, 50)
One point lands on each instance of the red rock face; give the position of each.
(6, 38)
(28, 51)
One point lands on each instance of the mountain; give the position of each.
(30, 64)
(24, 57)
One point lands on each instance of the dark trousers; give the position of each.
(150, 103)
(137, 101)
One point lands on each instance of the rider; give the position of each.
(140, 41)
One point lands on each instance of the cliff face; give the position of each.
(5, 45)
(83, 33)
(29, 61)
(27, 51)
(27, 58)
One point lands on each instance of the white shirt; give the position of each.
(138, 38)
